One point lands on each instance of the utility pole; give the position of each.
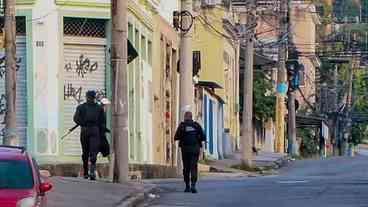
(10, 135)
(186, 65)
(186, 59)
(336, 110)
(119, 62)
(347, 135)
(292, 143)
(292, 149)
(247, 21)
(281, 79)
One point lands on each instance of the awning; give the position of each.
(309, 121)
(258, 61)
(209, 84)
(132, 52)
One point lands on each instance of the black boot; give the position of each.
(92, 172)
(187, 188)
(85, 170)
(193, 188)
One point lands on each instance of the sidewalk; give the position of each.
(68, 192)
(262, 160)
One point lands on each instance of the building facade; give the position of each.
(165, 85)
(214, 41)
(63, 50)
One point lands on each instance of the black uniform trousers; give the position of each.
(190, 157)
(90, 141)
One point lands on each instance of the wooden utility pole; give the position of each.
(336, 110)
(10, 135)
(247, 21)
(281, 80)
(119, 62)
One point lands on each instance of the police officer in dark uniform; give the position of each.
(190, 136)
(90, 117)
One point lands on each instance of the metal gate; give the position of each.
(84, 69)
(21, 99)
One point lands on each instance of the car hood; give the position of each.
(9, 197)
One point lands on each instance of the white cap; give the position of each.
(105, 101)
(186, 109)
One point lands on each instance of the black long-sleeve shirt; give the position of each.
(190, 134)
(90, 114)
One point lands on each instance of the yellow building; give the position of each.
(165, 84)
(214, 39)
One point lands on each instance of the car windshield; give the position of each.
(15, 174)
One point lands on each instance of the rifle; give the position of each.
(69, 131)
(76, 126)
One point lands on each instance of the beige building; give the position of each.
(165, 90)
(304, 21)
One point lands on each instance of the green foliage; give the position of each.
(359, 131)
(351, 8)
(264, 103)
(309, 146)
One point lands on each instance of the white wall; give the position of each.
(46, 63)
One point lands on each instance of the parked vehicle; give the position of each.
(21, 184)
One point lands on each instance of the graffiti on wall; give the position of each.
(71, 91)
(2, 76)
(3, 66)
(83, 65)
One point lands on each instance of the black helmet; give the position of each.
(91, 94)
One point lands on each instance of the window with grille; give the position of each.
(84, 27)
(20, 25)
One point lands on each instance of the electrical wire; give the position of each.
(206, 23)
(306, 100)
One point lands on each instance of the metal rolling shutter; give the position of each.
(84, 69)
(21, 100)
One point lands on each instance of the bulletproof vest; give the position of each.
(90, 114)
(191, 134)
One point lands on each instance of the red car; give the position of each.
(21, 184)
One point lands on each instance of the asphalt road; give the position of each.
(336, 182)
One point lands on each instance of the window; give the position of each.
(84, 27)
(143, 49)
(196, 62)
(15, 174)
(130, 32)
(150, 52)
(226, 57)
(136, 41)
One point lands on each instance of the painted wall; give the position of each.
(47, 60)
(166, 47)
(46, 41)
(218, 56)
(304, 21)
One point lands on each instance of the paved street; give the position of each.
(336, 182)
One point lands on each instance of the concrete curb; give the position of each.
(137, 198)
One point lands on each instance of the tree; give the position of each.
(264, 102)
